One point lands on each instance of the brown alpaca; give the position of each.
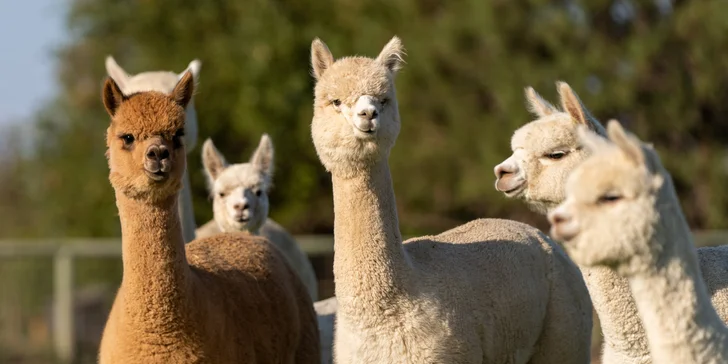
(231, 298)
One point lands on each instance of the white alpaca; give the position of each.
(621, 212)
(240, 203)
(545, 151)
(326, 316)
(490, 291)
(165, 81)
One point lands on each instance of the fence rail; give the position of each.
(64, 251)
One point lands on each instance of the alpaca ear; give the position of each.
(321, 58)
(193, 67)
(212, 160)
(263, 156)
(537, 104)
(116, 72)
(571, 103)
(112, 96)
(182, 93)
(392, 55)
(591, 140)
(629, 144)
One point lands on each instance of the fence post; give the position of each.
(63, 335)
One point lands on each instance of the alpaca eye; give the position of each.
(556, 155)
(177, 139)
(384, 101)
(258, 192)
(336, 102)
(609, 198)
(221, 194)
(128, 139)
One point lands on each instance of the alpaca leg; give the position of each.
(566, 334)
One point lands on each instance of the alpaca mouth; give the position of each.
(242, 219)
(365, 134)
(158, 176)
(510, 188)
(563, 232)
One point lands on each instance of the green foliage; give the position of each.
(662, 73)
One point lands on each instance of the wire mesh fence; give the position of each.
(55, 295)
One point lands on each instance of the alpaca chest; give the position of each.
(404, 340)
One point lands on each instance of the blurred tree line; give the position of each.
(659, 66)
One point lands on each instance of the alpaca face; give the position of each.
(356, 119)
(145, 140)
(161, 81)
(609, 216)
(545, 151)
(240, 191)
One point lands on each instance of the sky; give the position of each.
(30, 30)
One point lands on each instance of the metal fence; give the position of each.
(64, 252)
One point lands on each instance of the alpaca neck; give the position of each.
(156, 275)
(681, 323)
(615, 307)
(370, 265)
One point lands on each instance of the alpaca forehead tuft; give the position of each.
(163, 81)
(545, 134)
(149, 113)
(607, 171)
(351, 77)
(243, 175)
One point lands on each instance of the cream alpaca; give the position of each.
(164, 81)
(240, 203)
(545, 152)
(621, 212)
(490, 291)
(227, 299)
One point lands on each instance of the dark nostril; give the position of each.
(501, 171)
(153, 152)
(246, 206)
(559, 218)
(369, 114)
(164, 153)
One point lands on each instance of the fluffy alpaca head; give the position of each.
(355, 117)
(239, 191)
(161, 81)
(145, 139)
(545, 150)
(610, 212)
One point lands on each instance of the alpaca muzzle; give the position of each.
(157, 162)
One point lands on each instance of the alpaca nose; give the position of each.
(241, 206)
(504, 169)
(157, 153)
(368, 114)
(557, 217)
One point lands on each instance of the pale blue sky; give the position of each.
(30, 30)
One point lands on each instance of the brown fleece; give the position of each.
(231, 298)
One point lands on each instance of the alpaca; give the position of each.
(489, 291)
(621, 212)
(326, 315)
(164, 81)
(240, 203)
(545, 151)
(231, 298)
